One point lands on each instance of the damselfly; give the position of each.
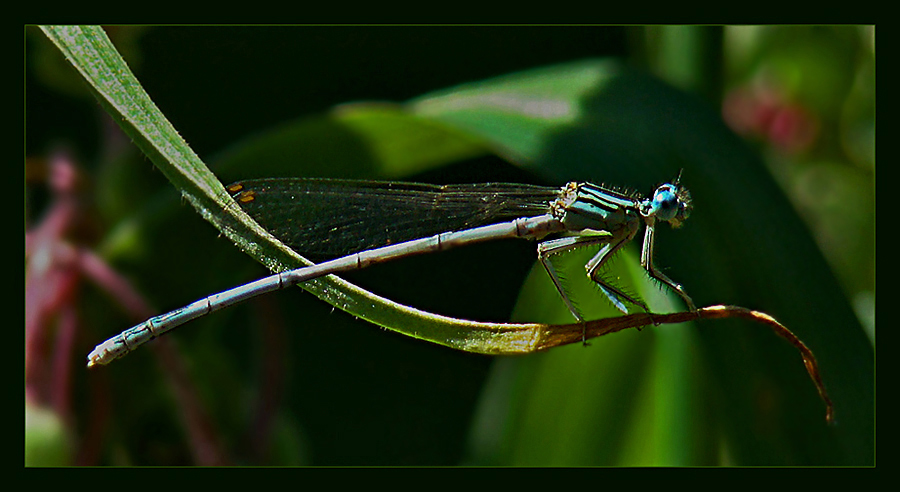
(364, 222)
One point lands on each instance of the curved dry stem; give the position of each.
(548, 336)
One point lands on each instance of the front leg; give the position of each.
(647, 264)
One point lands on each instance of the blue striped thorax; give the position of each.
(586, 206)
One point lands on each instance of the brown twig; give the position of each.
(566, 334)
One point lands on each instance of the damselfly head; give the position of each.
(671, 203)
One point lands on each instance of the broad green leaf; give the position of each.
(599, 121)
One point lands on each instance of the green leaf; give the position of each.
(743, 245)
(46, 440)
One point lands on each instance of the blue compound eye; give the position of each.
(665, 204)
